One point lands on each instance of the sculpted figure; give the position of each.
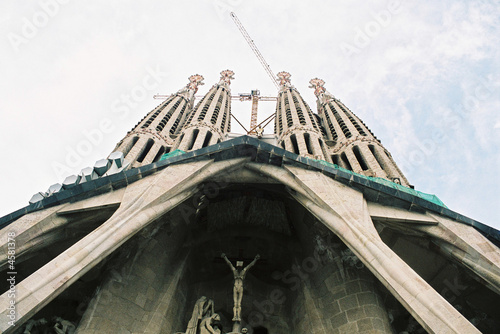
(33, 323)
(63, 326)
(206, 325)
(204, 307)
(239, 275)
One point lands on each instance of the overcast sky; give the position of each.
(75, 76)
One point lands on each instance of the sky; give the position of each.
(75, 76)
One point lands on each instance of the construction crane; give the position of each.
(254, 49)
(254, 95)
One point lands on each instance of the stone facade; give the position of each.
(295, 123)
(134, 252)
(352, 145)
(155, 134)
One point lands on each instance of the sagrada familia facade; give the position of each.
(188, 228)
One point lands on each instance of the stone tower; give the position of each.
(208, 123)
(295, 123)
(352, 145)
(154, 135)
(313, 231)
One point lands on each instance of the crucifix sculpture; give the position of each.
(239, 275)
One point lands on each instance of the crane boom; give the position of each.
(254, 49)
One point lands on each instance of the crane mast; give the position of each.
(255, 94)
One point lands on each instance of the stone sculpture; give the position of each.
(207, 325)
(203, 308)
(63, 326)
(31, 325)
(239, 275)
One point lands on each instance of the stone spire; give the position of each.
(210, 120)
(352, 145)
(295, 123)
(154, 135)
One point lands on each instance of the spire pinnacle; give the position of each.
(284, 78)
(194, 81)
(226, 76)
(319, 90)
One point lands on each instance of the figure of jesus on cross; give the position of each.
(239, 275)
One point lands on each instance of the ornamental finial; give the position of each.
(284, 78)
(226, 76)
(318, 85)
(195, 81)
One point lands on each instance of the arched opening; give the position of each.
(193, 139)
(295, 146)
(345, 161)
(335, 159)
(377, 157)
(359, 157)
(207, 139)
(129, 146)
(145, 150)
(158, 155)
(307, 139)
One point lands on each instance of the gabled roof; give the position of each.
(260, 152)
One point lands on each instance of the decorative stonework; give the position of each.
(284, 78)
(226, 76)
(195, 81)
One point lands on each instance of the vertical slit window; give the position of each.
(353, 120)
(167, 116)
(205, 107)
(146, 150)
(377, 157)
(298, 108)
(225, 114)
(215, 114)
(322, 145)
(346, 162)
(175, 125)
(307, 139)
(207, 139)
(158, 155)
(359, 157)
(341, 122)
(335, 159)
(294, 144)
(288, 113)
(193, 139)
(333, 133)
(280, 120)
(129, 146)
